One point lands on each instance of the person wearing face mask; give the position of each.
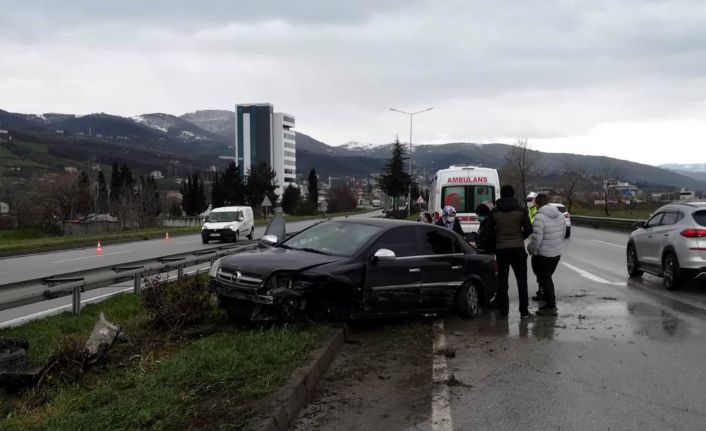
(449, 220)
(486, 232)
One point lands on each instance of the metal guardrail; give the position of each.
(618, 224)
(75, 283)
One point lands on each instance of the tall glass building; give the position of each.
(262, 135)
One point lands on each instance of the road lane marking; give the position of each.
(440, 399)
(593, 277)
(92, 257)
(608, 243)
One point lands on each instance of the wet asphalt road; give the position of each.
(622, 355)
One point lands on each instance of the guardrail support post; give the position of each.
(76, 300)
(180, 271)
(138, 284)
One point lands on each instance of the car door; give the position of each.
(394, 285)
(664, 234)
(646, 242)
(442, 266)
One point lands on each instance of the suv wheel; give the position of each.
(467, 300)
(633, 266)
(671, 273)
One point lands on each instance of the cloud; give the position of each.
(551, 71)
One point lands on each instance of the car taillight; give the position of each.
(693, 233)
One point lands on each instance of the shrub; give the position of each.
(171, 305)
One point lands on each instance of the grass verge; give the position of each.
(213, 377)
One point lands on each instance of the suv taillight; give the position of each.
(693, 233)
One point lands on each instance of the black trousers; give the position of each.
(544, 268)
(517, 259)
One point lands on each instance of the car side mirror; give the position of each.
(384, 254)
(269, 240)
(639, 225)
(241, 218)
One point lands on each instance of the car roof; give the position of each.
(380, 222)
(227, 209)
(698, 205)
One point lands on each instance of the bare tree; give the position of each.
(607, 172)
(520, 162)
(572, 177)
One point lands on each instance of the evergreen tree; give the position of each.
(261, 182)
(234, 187)
(217, 191)
(394, 181)
(102, 194)
(290, 199)
(194, 198)
(313, 189)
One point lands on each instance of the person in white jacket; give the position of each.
(548, 232)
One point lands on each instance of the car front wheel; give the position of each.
(671, 273)
(252, 233)
(468, 300)
(633, 267)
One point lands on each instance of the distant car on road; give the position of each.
(228, 224)
(671, 244)
(562, 209)
(356, 269)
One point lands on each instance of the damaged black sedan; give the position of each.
(356, 269)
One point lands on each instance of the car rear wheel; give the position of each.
(671, 273)
(468, 300)
(633, 267)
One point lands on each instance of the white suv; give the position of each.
(671, 244)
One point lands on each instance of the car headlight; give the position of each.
(214, 268)
(233, 227)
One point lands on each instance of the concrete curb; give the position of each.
(287, 403)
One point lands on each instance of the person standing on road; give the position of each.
(545, 247)
(512, 226)
(449, 220)
(486, 233)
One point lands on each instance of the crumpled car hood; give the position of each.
(265, 262)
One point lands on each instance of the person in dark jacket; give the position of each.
(449, 221)
(486, 233)
(512, 226)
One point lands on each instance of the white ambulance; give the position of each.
(464, 187)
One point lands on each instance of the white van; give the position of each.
(228, 224)
(464, 187)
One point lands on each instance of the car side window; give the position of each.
(655, 220)
(436, 241)
(402, 241)
(669, 218)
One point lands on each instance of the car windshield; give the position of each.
(224, 216)
(337, 238)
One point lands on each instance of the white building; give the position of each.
(157, 175)
(265, 136)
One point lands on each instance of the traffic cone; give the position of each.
(99, 249)
(166, 236)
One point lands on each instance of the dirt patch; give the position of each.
(381, 379)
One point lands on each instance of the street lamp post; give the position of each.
(411, 115)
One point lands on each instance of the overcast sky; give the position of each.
(624, 78)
